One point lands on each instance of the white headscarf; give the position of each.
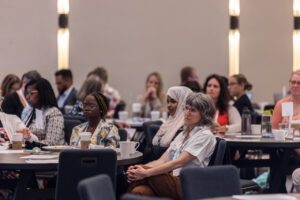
(168, 129)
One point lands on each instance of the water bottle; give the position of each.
(246, 121)
(266, 125)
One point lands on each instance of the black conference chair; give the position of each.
(218, 155)
(137, 197)
(122, 134)
(209, 182)
(76, 165)
(219, 158)
(97, 187)
(69, 125)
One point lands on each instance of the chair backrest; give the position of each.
(138, 197)
(122, 134)
(209, 182)
(218, 155)
(69, 125)
(75, 165)
(97, 187)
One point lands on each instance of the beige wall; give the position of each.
(28, 37)
(133, 38)
(266, 45)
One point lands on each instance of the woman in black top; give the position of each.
(238, 85)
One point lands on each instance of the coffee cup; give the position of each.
(279, 135)
(85, 140)
(155, 115)
(123, 115)
(133, 146)
(136, 107)
(125, 148)
(17, 140)
(255, 128)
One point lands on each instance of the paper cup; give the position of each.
(155, 115)
(85, 140)
(85, 136)
(279, 135)
(123, 115)
(17, 140)
(255, 128)
(136, 107)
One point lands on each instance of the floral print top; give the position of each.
(105, 134)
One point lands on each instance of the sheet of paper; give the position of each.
(10, 151)
(40, 157)
(42, 161)
(39, 119)
(264, 197)
(287, 109)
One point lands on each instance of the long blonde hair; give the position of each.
(159, 93)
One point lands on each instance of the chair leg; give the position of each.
(292, 188)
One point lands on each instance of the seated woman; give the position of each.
(192, 147)
(294, 97)
(153, 98)
(15, 102)
(9, 124)
(238, 85)
(10, 84)
(176, 97)
(227, 117)
(45, 121)
(90, 85)
(95, 108)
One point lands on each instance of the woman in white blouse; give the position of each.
(192, 147)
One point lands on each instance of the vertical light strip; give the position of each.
(234, 37)
(63, 34)
(296, 36)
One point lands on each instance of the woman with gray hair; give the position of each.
(192, 147)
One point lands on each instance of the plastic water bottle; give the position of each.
(266, 126)
(246, 121)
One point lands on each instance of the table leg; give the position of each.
(24, 179)
(278, 170)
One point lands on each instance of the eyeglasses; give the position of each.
(232, 83)
(295, 82)
(90, 106)
(190, 109)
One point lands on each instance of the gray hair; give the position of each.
(205, 105)
(92, 84)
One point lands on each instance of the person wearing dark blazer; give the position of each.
(66, 90)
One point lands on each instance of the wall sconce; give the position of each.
(296, 35)
(63, 34)
(234, 37)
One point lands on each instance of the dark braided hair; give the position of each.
(102, 102)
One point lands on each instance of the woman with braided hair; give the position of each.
(95, 108)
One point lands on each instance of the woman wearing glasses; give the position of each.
(44, 119)
(294, 97)
(192, 147)
(95, 108)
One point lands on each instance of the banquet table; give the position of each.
(279, 153)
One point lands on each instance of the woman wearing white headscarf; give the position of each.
(176, 97)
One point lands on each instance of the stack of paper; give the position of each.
(41, 159)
